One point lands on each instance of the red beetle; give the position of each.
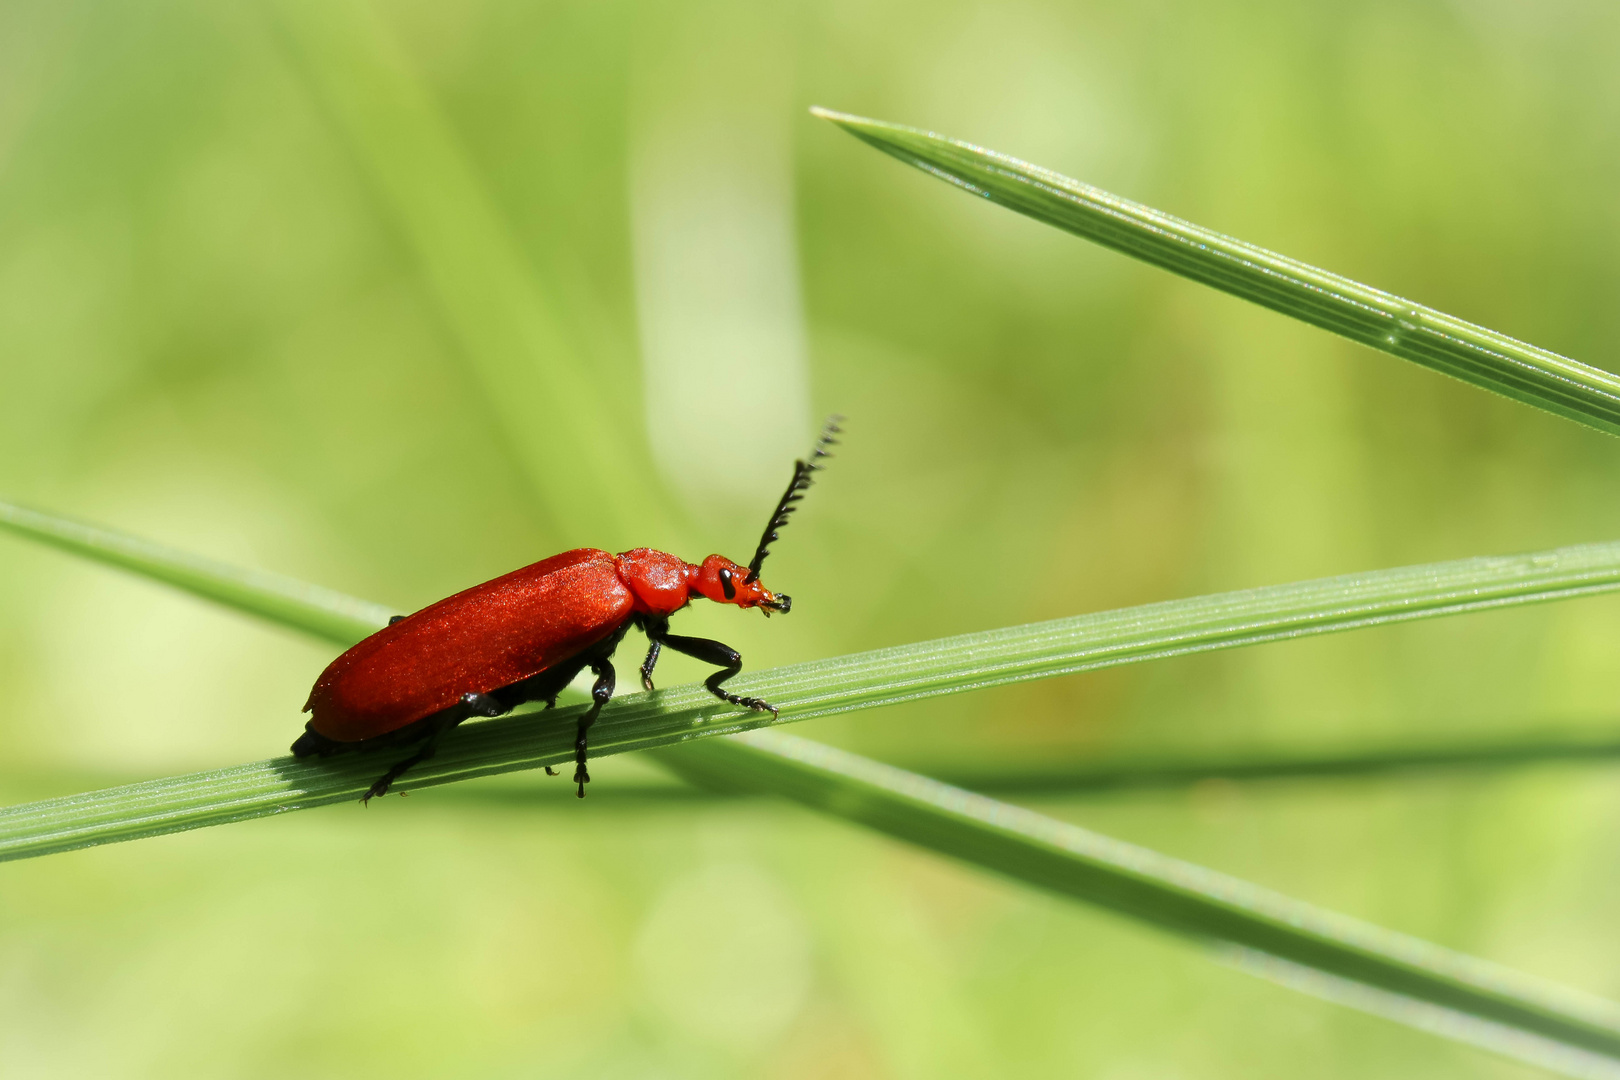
(524, 636)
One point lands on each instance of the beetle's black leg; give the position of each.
(549, 692)
(655, 629)
(542, 687)
(470, 705)
(722, 656)
(387, 779)
(648, 664)
(436, 726)
(392, 619)
(546, 685)
(600, 693)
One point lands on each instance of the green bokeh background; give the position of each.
(216, 331)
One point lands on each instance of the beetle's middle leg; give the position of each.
(542, 687)
(722, 656)
(546, 685)
(601, 691)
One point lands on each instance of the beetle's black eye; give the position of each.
(726, 586)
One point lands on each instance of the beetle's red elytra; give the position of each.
(526, 635)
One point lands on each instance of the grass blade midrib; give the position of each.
(1373, 317)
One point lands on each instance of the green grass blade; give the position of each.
(513, 334)
(1135, 882)
(1558, 1030)
(322, 612)
(1132, 774)
(1359, 312)
(804, 691)
(1497, 1007)
(344, 620)
(1078, 778)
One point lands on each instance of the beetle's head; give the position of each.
(723, 581)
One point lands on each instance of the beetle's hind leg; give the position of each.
(600, 693)
(386, 780)
(470, 705)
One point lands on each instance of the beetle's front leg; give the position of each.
(648, 664)
(656, 630)
(600, 693)
(722, 656)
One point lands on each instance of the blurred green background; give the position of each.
(241, 308)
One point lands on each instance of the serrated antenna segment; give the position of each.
(803, 476)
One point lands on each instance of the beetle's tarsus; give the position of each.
(386, 781)
(757, 704)
(582, 775)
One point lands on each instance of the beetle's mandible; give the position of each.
(526, 635)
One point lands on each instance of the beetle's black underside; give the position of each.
(544, 686)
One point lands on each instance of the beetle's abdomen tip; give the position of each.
(313, 742)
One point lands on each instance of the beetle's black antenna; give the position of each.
(804, 473)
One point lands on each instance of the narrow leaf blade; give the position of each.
(1359, 312)
(321, 612)
(803, 691)
(1583, 1034)
(1164, 892)
(1092, 776)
